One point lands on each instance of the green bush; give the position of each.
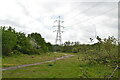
(9, 40)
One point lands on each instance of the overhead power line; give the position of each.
(84, 11)
(91, 18)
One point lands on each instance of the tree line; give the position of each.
(18, 42)
(104, 51)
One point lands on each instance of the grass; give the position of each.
(65, 68)
(28, 59)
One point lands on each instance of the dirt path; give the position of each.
(15, 67)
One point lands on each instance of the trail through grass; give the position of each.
(66, 68)
(22, 59)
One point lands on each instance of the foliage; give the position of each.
(17, 42)
(104, 51)
(9, 40)
(40, 42)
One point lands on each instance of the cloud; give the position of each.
(83, 19)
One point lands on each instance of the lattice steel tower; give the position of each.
(59, 31)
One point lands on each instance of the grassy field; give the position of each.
(21, 59)
(71, 67)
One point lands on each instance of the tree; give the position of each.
(99, 39)
(23, 43)
(49, 47)
(9, 40)
(39, 40)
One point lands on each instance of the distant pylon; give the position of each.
(59, 31)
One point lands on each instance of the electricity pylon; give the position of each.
(59, 31)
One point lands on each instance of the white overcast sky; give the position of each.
(83, 19)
